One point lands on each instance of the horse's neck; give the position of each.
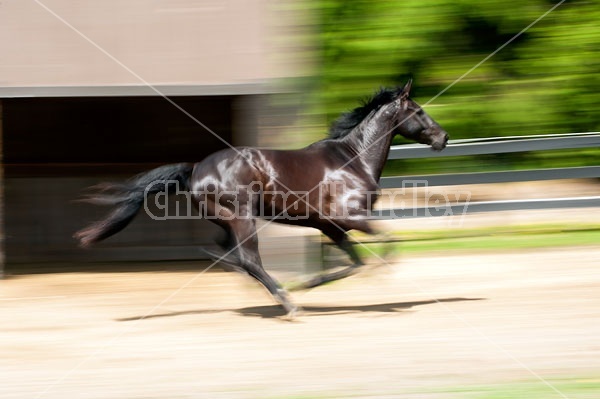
(371, 141)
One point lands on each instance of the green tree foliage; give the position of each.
(546, 80)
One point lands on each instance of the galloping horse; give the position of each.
(306, 187)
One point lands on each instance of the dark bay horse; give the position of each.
(330, 185)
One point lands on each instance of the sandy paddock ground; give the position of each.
(419, 328)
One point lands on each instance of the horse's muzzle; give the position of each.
(439, 141)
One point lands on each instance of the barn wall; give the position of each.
(114, 42)
(2, 221)
(65, 128)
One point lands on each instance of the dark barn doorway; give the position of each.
(55, 147)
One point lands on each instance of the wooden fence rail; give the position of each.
(494, 145)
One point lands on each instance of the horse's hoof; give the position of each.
(293, 313)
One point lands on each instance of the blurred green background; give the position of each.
(545, 81)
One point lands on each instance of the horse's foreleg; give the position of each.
(340, 238)
(348, 247)
(357, 262)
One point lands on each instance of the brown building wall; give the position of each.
(115, 42)
(78, 108)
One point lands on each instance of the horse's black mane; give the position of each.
(349, 120)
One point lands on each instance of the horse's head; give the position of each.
(414, 123)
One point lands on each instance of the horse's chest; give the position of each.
(348, 194)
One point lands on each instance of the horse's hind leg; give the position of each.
(246, 240)
(226, 254)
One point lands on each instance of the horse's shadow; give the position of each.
(276, 311)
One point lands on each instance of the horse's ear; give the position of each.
(406, 90)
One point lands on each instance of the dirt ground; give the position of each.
(420, 328)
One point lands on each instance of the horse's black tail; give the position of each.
(129, 197)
